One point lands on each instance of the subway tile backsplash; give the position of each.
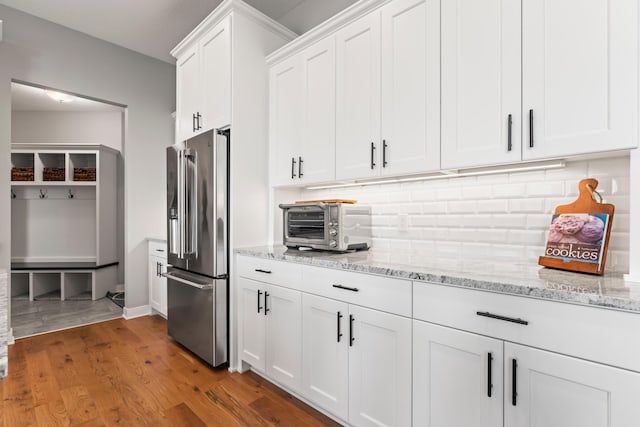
(492, 217)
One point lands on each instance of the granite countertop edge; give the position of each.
(500, 285)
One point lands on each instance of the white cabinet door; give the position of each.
(358, 144)
(187, 92)
(284, 335)
(379, 368)
(285, 120)
(158, 284)
(580, 76)
(410, 87)
(215, 51)
(481, 82)
(325, 354)
(252, 323)
(457, 378)
(317, 159)
(553, 390)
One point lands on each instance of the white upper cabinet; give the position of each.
(410, 87)
(285, 128)
(358, 98)
(481, 102)
(317, 161)
(203, 92)
(187, 99)
(580, 76)
(215, 51)
(388, 92)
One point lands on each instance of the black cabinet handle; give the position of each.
(339, 333)
(498, 317)
(266, 307)
(373, 149)
(384, 153)
(157, 269)
(293, 168)
(300, 161)
(514, 382)
(346, 288)
(530, 128)
(193, 122)
(259, 270)
(198, 117)
(509, 126)
(351, 338)
(489, 366)
(259, 306)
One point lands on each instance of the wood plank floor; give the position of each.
(129, 372)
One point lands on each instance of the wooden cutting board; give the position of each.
(347, 201)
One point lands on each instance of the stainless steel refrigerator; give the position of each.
(197, 231)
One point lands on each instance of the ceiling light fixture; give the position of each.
(449, 174)
(59, 96)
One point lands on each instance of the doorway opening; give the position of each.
(67, 209)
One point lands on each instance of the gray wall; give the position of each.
(40, 52)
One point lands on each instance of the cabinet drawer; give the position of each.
(377, 292)
(279, 273)
(601, 335)
(158, 249)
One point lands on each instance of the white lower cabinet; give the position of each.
(157, 283)
(457, 378)
(356, 362)
(552, 390)
(271, 330)
(453, 369)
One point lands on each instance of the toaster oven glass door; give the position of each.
(306, 224)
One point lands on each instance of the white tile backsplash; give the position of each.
(501, 216)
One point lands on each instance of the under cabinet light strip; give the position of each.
(445, 175)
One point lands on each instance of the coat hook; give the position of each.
(13, 194)
(43, 194)
(71, 195)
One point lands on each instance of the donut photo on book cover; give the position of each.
(578, 236)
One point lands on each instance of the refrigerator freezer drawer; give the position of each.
(197, 314)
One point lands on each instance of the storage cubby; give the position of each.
(53, 166)
(82, 167)
(77, 286)
(45, 286)
(22, 167)
(20, 285)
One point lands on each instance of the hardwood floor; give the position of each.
(129, 372)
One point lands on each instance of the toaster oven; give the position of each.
(326, 226)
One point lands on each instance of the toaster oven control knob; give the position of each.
(333, 232)
(333, 244)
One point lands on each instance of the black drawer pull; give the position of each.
(259, 270)
(346, 288)
(498, 317)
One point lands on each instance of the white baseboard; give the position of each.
(133, 312)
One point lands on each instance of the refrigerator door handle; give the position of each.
(191, 201)
(181, 207)
(187, 282)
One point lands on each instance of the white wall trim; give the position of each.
(11, 340)
(325, 29)
(133, 312)
(225, 8)
(634, 217)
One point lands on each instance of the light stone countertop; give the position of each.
(609, 291)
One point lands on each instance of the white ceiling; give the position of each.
(154, 27)
(30, 98)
